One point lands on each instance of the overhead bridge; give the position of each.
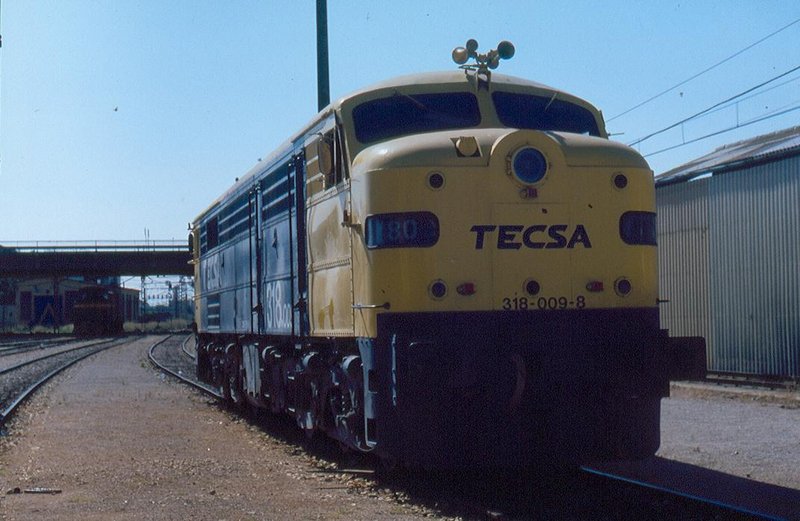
(94, 259)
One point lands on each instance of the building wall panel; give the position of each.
(754, 278)
(729, 260)
(683, 259)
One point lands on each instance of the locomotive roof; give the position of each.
(455, 77)
(436, 78)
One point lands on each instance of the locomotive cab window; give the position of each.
(325, 165)
(517, 110)
(212, 233)
(406, 114)
(338, 172)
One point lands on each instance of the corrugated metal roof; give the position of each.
(758, 149)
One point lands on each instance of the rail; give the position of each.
(185, 379)
(699, 506)
(29, 389)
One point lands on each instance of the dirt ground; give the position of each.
(746, 432)
(134, 444)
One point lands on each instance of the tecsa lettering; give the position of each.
(537, 236)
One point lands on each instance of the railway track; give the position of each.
(675, 503)
(22, 346)
(584, 493)
(184, 347)
(171, 356)
(571, 494)
(19, 381)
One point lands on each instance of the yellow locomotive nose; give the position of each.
(547, 224)
(561, 228)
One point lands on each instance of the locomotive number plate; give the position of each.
(516, 303)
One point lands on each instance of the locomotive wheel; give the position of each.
(202, 366)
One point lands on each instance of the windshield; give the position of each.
(543, 113)
(404, 114)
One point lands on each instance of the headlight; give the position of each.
(528, 165)
(402, 230)
(638, 228)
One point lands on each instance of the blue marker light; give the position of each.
(529, 165)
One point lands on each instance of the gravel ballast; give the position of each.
(131, 443)
(116, 439)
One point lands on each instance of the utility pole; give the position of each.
(323, 82)
(143, 311)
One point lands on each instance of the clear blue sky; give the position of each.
(121, 116)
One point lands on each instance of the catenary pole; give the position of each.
(323, 85)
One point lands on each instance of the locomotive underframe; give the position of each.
(470, 388)
(516, 388)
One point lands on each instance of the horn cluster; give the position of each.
(483, 62)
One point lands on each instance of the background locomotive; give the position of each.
(97, 312)
(447, 269)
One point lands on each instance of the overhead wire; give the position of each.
(723, 131)
(687, 80)
(754, 95)
(716, 105)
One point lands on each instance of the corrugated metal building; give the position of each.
(729, 254)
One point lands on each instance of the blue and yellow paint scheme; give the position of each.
(447, 271)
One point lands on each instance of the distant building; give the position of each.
(30, 303)
(729, 254)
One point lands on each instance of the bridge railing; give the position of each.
(97, 246)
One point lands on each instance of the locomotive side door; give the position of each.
(298, 245)
(330, 275)
(254, 230)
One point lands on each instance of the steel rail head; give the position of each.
(51, 355)
(184, 379)
(706, 502)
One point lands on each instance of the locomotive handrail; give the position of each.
(385, 305)
(98, 246)
(315, 179)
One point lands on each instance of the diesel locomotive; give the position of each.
(98, 311)
(446, 269)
